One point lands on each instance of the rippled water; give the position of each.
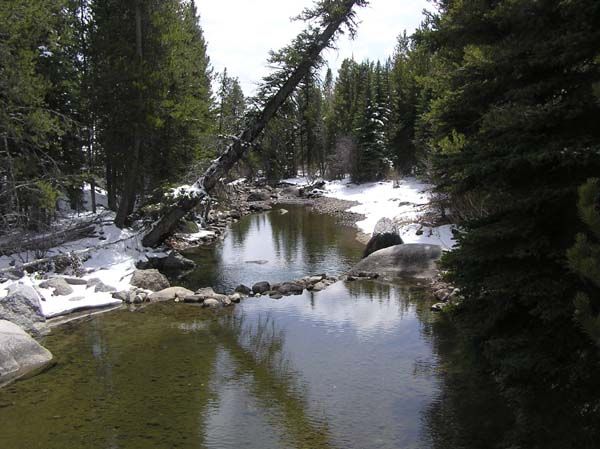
(359, 365)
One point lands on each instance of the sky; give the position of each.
(240, 33)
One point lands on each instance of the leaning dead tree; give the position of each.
(327, 19)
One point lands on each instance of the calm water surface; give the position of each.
(359, 365)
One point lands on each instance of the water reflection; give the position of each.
(293, 245)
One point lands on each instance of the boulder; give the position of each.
(150, 280)
(261, 287)
(208, 292)
(76, 281)
(319, 286)
(235, 298)
(20, 355)
(259, 195)
(59, 285)
(168, 294)
(244, 290)
(413, 260)
(122, 295)
(176, 262)
(101, 287)
(385, 235)
(22, 307)
(439, 306)
(188, 227)
(291, 288)
(211, 302)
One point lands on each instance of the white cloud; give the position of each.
(240, 33)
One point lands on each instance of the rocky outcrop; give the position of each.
(385, 235)
(20, 355)
(413, 260)
(22, 307)
(150, 280)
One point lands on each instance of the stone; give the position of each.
(76, 281)
(211, 302)
(315, 279)
(150, 280)
(193, 299)
(291, 288)
(188, 227)
(101, 287)
(282, 211)
(235, 298)
(176, 262)
(385, 235)
(59, 285)
(260, 207)
(439, 306)
(319, 286)
(22, 306)
(168, 294)
(226, 302)
(258, 195)
(442, 294)
(208, 292)
(242, 289)
(276, 295)
(411, 260)
(20, 354)
(261, 287)
(122, 295)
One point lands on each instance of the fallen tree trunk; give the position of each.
(42, 242)
(333, 18)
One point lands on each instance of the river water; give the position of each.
(360, 365)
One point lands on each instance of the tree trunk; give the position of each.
(219, 168)
(130, 189)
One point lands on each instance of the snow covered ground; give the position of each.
(404, 202)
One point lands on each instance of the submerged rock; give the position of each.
(20, 355)
(414, 260)
(150, 280)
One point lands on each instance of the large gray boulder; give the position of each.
(150, 280)
(259, 195)
(385, 235)
(22, 307)
(413, 260)
(20, 355)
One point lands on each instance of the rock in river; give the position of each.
(20, 355)
(414, 260)
(150, 280)
(261, 287)
(170, 293)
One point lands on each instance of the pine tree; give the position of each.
(584, 259)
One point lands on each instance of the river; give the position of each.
(361, 365)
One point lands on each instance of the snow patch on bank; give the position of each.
(405, 201)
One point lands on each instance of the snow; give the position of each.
(187, 190)
(404, 201)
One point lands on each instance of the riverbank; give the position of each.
(112, 255)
